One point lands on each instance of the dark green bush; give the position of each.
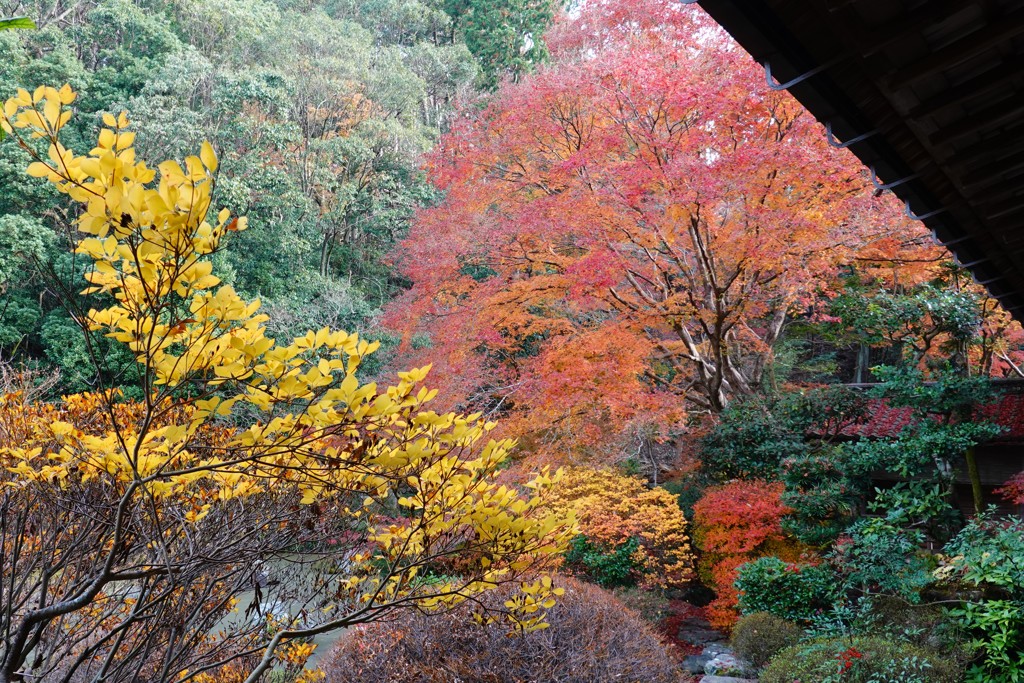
(793, 592)
(608, 567)
(749, 440)
(860, 660)
(826, 490)
(989, 554)
(753, 436)
(688, 489)
(760, 636)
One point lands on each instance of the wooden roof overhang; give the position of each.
(928, 94)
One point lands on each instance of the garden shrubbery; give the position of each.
(592, 638)
(860, 659)
(988, 555)
(760, 636)
(630, 534)
(794, 592)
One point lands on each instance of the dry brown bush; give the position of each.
(592, 638)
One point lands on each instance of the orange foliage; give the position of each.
(36, 425)
(612, 508)
(627, 231)
(733, 524)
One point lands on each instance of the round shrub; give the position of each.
(760, 636)
(860, 660)
(592, 638)
(630, 534)
(928, 626)
(790, 591)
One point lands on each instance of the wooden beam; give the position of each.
(989, 150)
(873, 39)
(981, 121)
(969, 89)
(989, 35)
(1005, 208)
(1009, 224)
(996, 169)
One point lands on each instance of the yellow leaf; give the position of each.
(208, 156)
(51, 111)
(38, 169)
(67, 95)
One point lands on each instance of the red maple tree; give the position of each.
(626, 233)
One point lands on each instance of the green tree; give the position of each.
(506, 36)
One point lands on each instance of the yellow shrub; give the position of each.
(612, 508)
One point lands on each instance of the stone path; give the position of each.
(716, 661)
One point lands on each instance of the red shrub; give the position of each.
(1013, 491)
(733, 524)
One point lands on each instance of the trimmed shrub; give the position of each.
(860, 660)
(592, 638)
(760, 636)
(928, 626)
(790, 591)
(631, 534)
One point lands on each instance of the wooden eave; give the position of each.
(933, 92)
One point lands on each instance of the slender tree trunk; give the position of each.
(863, 358)
(325, 255)
(975, 477)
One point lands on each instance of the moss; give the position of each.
(860, 660)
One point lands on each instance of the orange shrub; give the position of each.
(733, 524)
(612, 508)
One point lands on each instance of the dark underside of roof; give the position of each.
(931, 96)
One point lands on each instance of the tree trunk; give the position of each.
(863, 358)
(325, 255)
(972, 473)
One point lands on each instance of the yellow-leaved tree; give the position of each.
(258, 494)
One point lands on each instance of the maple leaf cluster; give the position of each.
(733, 524)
